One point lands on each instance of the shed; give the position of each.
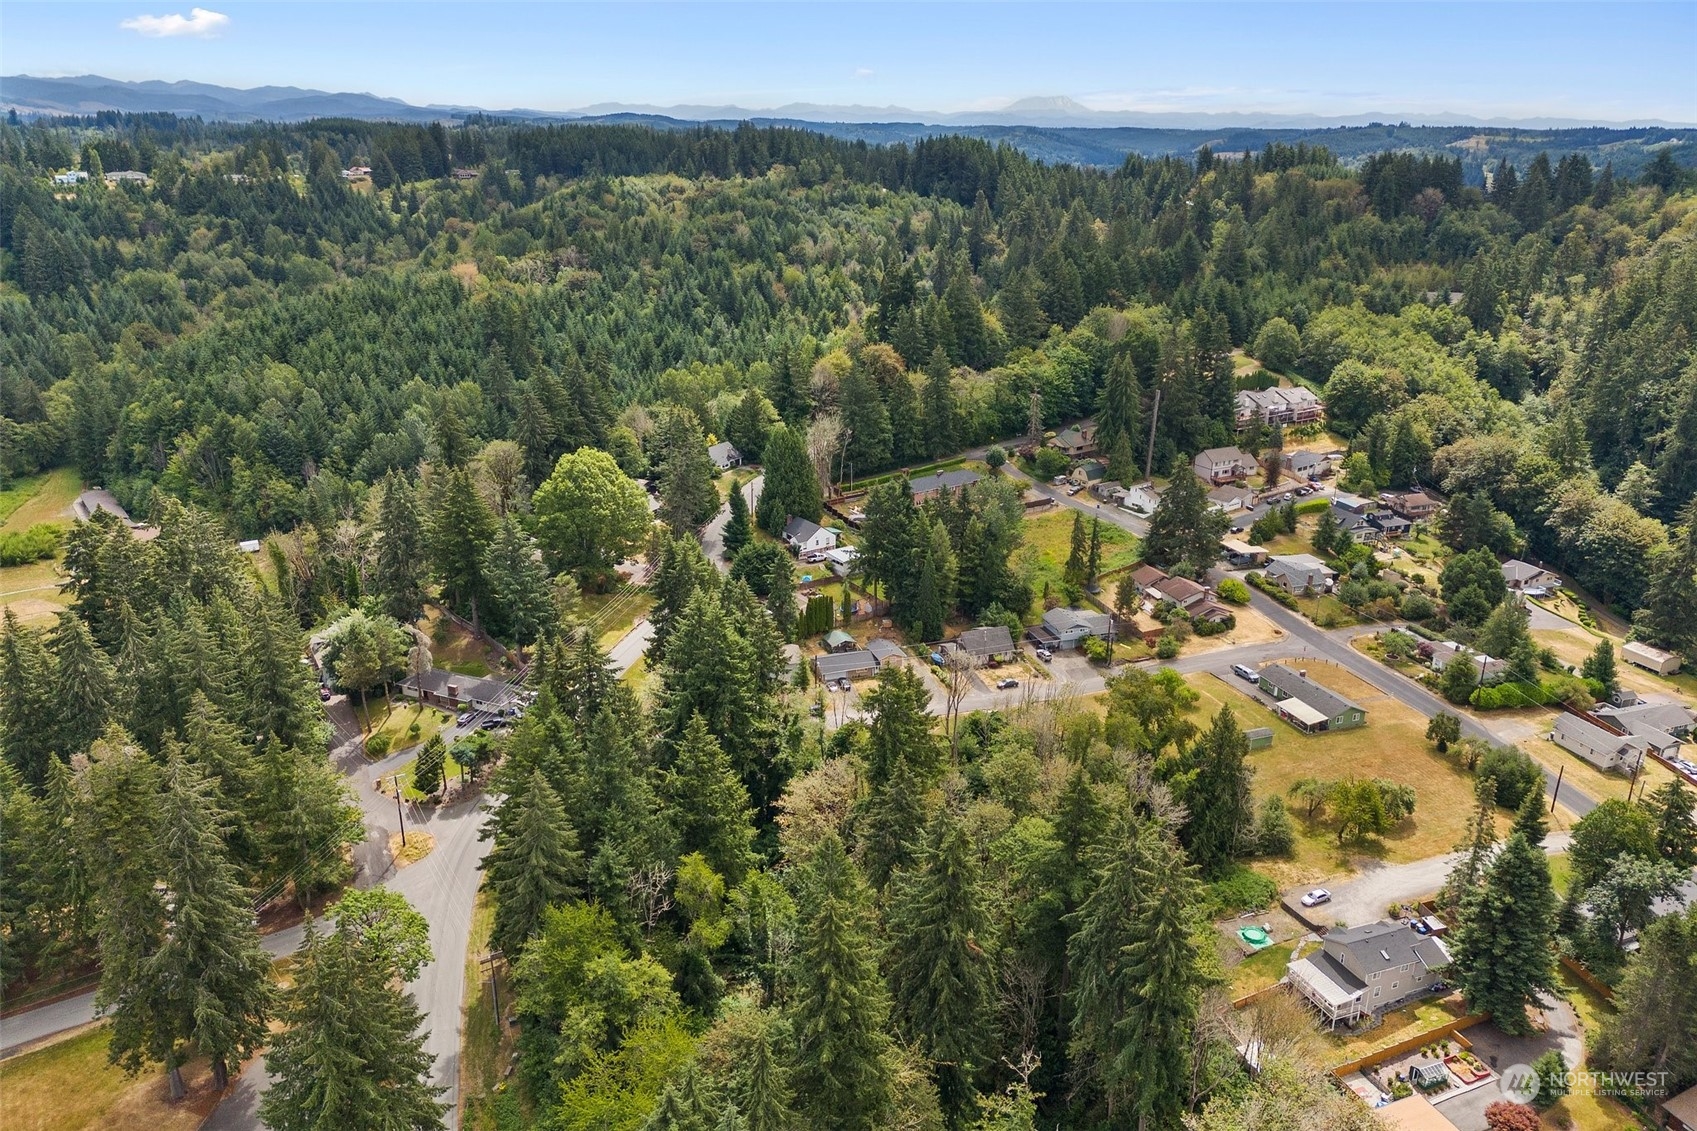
(1259, 737)
(839, 641)
(1680, 1112)
(1654, 659)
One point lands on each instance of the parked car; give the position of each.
(492, 723)
(464, 718)
(1244, 671)
(324, 693)
(1045, 655)
(937, 658)
(1316, 897)
(1305, 490)
(1006, 684)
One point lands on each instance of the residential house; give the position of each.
(1210, 610)
(1355, 504)
(804, 537)
(944, 482)
(1652, 659)
(886, 652)
(1230, 500)
(100, 499)
(74, 177)
(1447, 652)
(1181, 591)
(1521, 576)
(845, 665)
(1295, 405)
(1300, 573)
(1412, 505)
(1067, 627)
(440, 687)
(839, 641)
(1388, 524)
(1680, 1112)
(1076, 442)
(1305, 704)
(1304, 465)
(356, 172)
(1141, 498)
(1145, 576)
(1606, 751)
(1087, 473)
(1354, 523)
(1222, 465)
(464, 174)
(1242, 555)
(724, 455)
(1362, 971)
(127, 176)
(1108, 492)
(987, 643)
(1665, 726)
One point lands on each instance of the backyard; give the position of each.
(1399, 1025)
(31, 590)
(1050, 535)
(70, 1086)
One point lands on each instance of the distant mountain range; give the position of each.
(88, 94)
(1051, 129)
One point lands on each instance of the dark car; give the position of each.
(324, 693)
(1006, 684)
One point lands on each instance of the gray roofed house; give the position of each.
(885, 651)
(1520, 576)
(1368, 969)
(1669, 718)
(926, 486)
(443, 688)
(1597, 746)
(1356, 523)
(1232, 499)
(1079, 440)
(724, 455)
(1390, 524)
(804, 536)
(987, 642)
(845, 665)
(1295, 573)
(1065, 627)
(1221, 465)
(98, 499)
(1304, 463)
(1305, 704)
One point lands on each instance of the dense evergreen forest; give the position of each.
(440, 383)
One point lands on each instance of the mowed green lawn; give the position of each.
(69, 1086)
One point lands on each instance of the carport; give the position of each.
(1300, 715)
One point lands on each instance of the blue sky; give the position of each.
(1596, 61)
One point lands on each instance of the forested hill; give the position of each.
(254, 333)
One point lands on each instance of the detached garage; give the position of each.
(1654, 659)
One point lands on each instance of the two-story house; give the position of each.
(1361, 971)
(1222, 465)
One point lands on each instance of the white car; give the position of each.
(1244, 671)
(1316, 897)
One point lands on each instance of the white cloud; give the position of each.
(863, 72)
(199, 22)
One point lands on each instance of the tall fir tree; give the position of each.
(1504, 944)
(1215, 788)
(1185, 529)
(533, 864)
(738, 529)
(709, 805)
(940, 409)
(840, 1009)
(687, 495)
(83, 686)
(27, 727)
(521, 598)
(400, 569)
(791, 488)
(941, 980)
(350, 1054)
(461, 527)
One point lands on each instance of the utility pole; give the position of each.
(492, 960)
(1556, 792)
(400, 814)
(1149, 453)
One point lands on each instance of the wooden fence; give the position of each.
(1587, 977)
(1450, 1029)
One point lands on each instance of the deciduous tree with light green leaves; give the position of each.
(590, 516)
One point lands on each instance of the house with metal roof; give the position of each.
(1366, 970)
(1305, 704)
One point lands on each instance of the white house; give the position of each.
(841, 560)
(804, 537)
(1141, 498)
(1230, 500)
(1621, 752)
(1484, 667)
(73, 177)
(724, 455)
(1521, 576)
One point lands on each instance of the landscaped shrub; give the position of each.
(1241, 890)
(1516, 773)
(378, 745)
(1417, 606)
(1232, 591)
(1271, 590)
(1167, 646)
(1213, 628)
(1312, 506)
(1095, 649)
